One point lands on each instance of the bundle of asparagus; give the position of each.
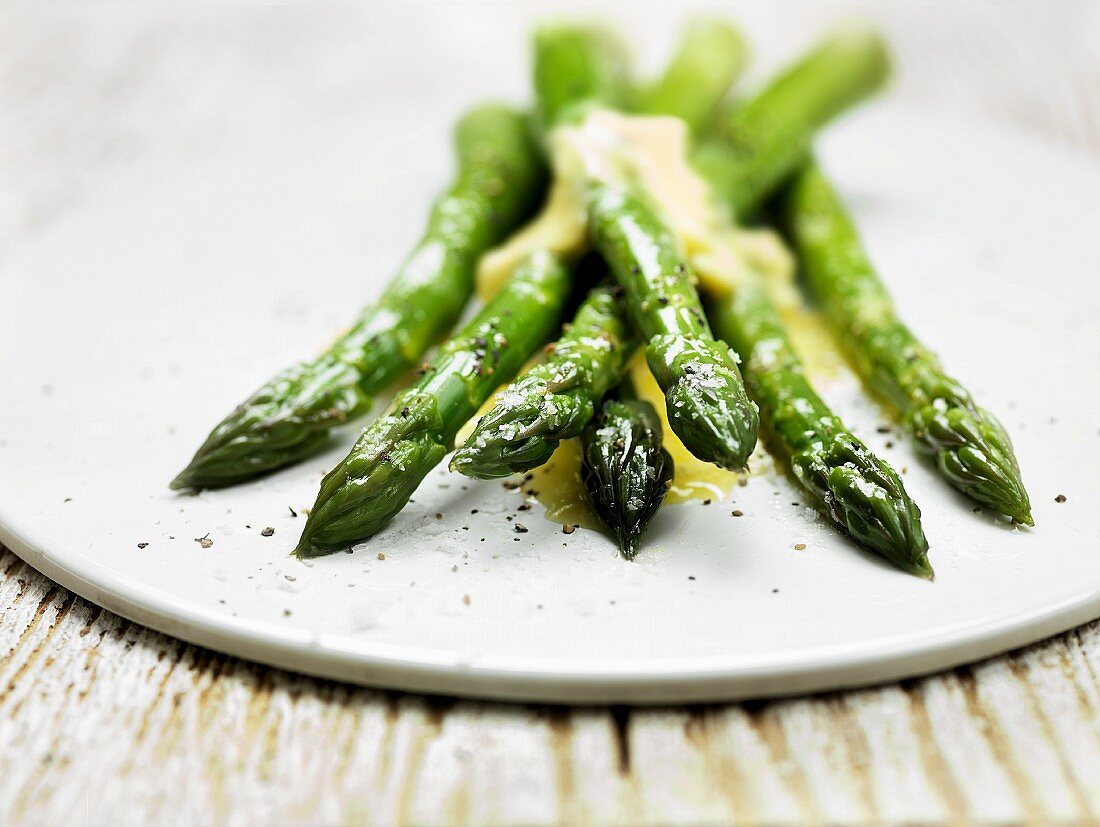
(712, 338)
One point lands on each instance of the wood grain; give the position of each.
(102, 721)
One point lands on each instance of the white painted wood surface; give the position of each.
(102, 721)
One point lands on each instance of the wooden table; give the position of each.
(102, 721)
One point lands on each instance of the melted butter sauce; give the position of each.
(814, 343)
(559, 227)
(560, 489)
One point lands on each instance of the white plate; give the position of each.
(137, 318)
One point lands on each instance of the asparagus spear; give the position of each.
(574, 67)
(394, 454)
(711, 55)
(859, 491)
(766, 138)
(705, 399)
(500, 175)
(626, 470)
(554, 400)
(971, 448)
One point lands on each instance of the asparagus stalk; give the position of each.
(858, 491)
(626, 470)
(574, 67)
(394, 454)
(554, 400)
(711, 55)
(971, 448)
(500, 175)
(765, 139)
(705, 399)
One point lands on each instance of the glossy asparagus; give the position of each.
(394, 454)
(500, 177)
(764, 140)
(556, 399)
(971, 448)
(859, 491)
(576, 66)
(625, 469)
(705, 399)
(711, 55)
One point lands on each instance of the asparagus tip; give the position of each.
(185, 480)
(181, 482)
(305, 550)
(922, 568)
(470, 463)
(629, 545)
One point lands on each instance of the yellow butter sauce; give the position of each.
(558, 486)
(814, 343)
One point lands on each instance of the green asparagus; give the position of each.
(576, 66)
(767, 137)
(970, 446)
(556, 399)
(625, 469)
(500, 176)
(712, 54)
(394, 454)
(705, 400)
(859, 491)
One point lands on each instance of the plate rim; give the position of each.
(542, 680)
